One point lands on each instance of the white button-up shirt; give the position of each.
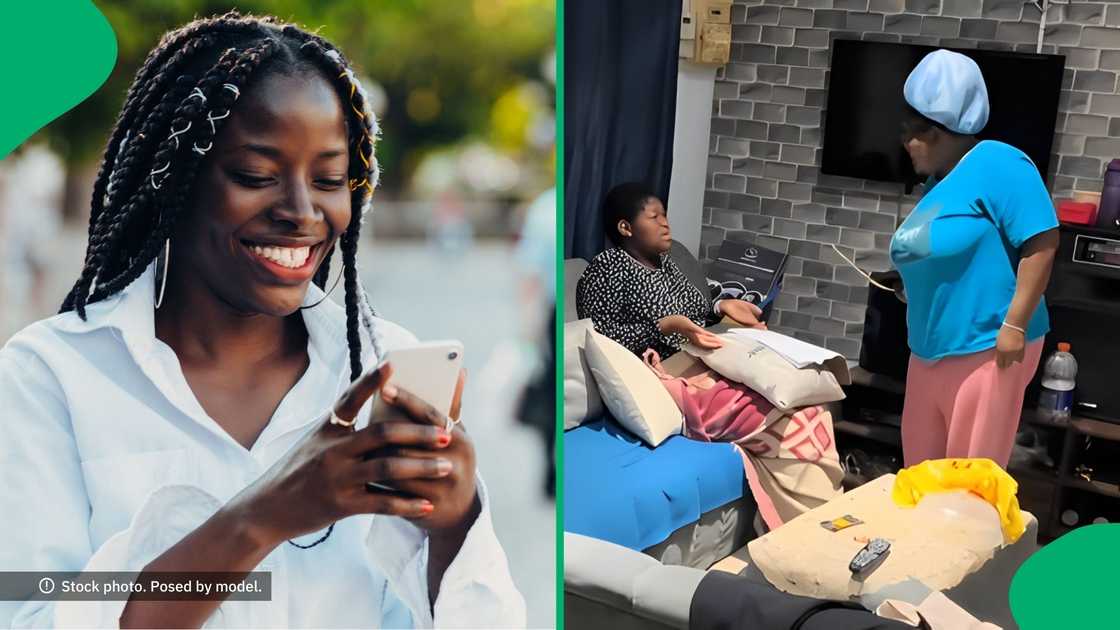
(108, 459)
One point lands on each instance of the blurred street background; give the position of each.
(464, 90)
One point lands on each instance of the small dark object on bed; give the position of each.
(869, 558)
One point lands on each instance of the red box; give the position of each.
(1077, 212)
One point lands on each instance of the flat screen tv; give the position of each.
(866, 108)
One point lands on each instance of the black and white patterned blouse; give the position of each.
(625, 299)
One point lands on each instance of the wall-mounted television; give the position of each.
(866, 108)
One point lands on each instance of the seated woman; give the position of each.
(634, 292)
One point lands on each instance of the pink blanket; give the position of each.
(790, 459)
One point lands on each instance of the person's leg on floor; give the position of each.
(924, 427)
(989, 404)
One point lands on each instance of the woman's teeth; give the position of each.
(291, 257)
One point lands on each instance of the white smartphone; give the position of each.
(429, 371)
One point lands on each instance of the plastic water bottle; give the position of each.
(1059, 377)
(1108, 216)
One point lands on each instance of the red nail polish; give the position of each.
(443, 439)
(426, 508)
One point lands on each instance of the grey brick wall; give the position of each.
(763, 177)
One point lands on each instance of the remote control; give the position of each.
(870, 557)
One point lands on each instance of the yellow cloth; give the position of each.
(982, 477)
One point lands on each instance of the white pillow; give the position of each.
(765, 371)
(635, 396)
(581, 394)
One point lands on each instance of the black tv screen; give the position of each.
(866, 107)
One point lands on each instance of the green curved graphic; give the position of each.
(55, 54)
(1070, 583)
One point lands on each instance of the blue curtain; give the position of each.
(620, 98)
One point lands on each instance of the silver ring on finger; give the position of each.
(342, 423)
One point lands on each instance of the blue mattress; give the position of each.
(616, 488)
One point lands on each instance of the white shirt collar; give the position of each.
(132, 312)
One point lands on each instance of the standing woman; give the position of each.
(636, 295)
(975, 256)
(199, 405)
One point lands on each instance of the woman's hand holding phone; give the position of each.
(324, 478)
(453, 495)
(742, 312)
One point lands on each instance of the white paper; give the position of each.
(797, 352)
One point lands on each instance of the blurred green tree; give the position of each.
(440, 66)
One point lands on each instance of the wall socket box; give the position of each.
(688, 35)
(708, 22)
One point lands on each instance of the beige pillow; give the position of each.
(630, 390)
(581, 394)
(768, 373)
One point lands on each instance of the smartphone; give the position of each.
(429, 371)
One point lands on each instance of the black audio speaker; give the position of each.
(885, 350)
(1084, 303)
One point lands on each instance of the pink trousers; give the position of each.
(965, 406)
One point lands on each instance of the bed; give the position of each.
(685, 502)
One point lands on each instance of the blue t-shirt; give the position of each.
(958, 251)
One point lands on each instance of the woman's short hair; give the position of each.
(623, 203)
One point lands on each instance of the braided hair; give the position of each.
(174, 109)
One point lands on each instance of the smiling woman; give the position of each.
(199, 405)
(276, 193)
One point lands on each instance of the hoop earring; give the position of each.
(329, 291)
(163, 276)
